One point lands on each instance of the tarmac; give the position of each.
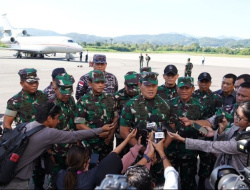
(118, 64)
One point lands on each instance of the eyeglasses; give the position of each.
(236, 115)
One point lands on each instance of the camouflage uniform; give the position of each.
(184, 160)
(50, 91)
(23, 105)
(211, 102)
(188, 69)
(111, 83)
(138, 111)
(229, 111)
(121, 97)
(64, 82)
(96, 111)
(167, 92)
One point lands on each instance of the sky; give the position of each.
(112, 18)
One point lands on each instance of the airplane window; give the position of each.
(71, 41)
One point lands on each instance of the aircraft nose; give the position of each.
(79, 48)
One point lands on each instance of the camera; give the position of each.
(113, 181)
(227, 177)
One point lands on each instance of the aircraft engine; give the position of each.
(8, 40)
(24, 32)
(20, 32)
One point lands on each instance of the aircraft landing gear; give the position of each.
(19, 55)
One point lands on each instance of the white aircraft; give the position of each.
(37, 46)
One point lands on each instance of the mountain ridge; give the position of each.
(158, 39)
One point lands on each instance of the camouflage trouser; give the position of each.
(207, 161)
(188, 74)
(100, 148)
(187, 168)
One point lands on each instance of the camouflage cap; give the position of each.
(185, 81)
(97, 76)
(148, 78)
(99, 58)
(28, 74)
(147, 69)
(65, 83)
(132, 77)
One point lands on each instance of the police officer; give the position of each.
(130, 90)
(22, 106)
(63, 98)
(184, 105)
(188, 68)
(169, 89)
(50, 90)
(94, 110)
(146, 109)
(99, 63)
(211, 102)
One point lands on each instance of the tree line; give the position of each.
(148, 47)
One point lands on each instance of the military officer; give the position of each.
(130, 90)
(188, 68)
(94, 110)
(50, 90)
(22, 106)
(211, 102)
(63, 97)
(111, 83)
(184, 160)
(169, 89)
(146, 109)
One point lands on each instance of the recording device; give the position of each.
(199, 128)
(226, 177)
(93, 160)
(218, 119)
(112, 181)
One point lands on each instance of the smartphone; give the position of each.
(169, 129)
(93, 160)
(158, 136)
(199, 128)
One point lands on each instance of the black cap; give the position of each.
(57, 71)
(170, 69)
(205, 76)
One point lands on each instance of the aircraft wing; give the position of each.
(23, 50)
